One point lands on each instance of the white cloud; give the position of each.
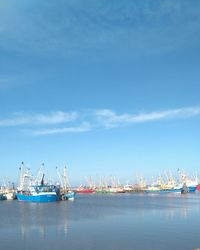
(57, 117)
(109, 118)
(55, 122)
(84, 127)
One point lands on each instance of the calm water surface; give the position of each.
(102, 222)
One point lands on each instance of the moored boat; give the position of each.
(2, 197)
(192, 189)
(39, 193)
(66, 193)
(171, 190)
(128, 188)
(84, 190)
(116, 190)
(10, 195)
(69, 195)
(163, 189)
(102, 190)
(190, 183)
(198, 187)
(34, 189)
(151, 189)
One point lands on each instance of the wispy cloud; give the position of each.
(84, 127)
(78, 122)
(57, 117)
(110, 119)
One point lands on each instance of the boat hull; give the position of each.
(48, 197)
(171, 190)
(10, 196)
(191, 189)
(198, 188)
(160, 191)
(84, 191)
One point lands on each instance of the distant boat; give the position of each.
(69, 195)
(84, 190)
(102, 190)
(116, 190)
(198, 187)
(66, 193)
(128, 188)
(152, 189)
(7, 194)
(191, 184)
(2, 197)
(171, 190)
(159, 189)
(7, 191)
(10, 195)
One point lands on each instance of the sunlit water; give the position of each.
(101, 222)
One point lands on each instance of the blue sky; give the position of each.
(104, 87)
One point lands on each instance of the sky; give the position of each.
(106, 88)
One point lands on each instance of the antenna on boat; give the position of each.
(42, 181)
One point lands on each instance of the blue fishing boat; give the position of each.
(39, 193)
(34, 189)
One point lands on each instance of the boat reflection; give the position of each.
(170, 206)
(42, 220)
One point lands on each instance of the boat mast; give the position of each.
(65, 179)
(59, 176)
(40, 176)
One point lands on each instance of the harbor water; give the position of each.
(103, 222)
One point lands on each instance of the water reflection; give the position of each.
(170, 205)
(41, 219)
(132, 221)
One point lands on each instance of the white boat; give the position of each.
(128, 188)
(10, 195)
